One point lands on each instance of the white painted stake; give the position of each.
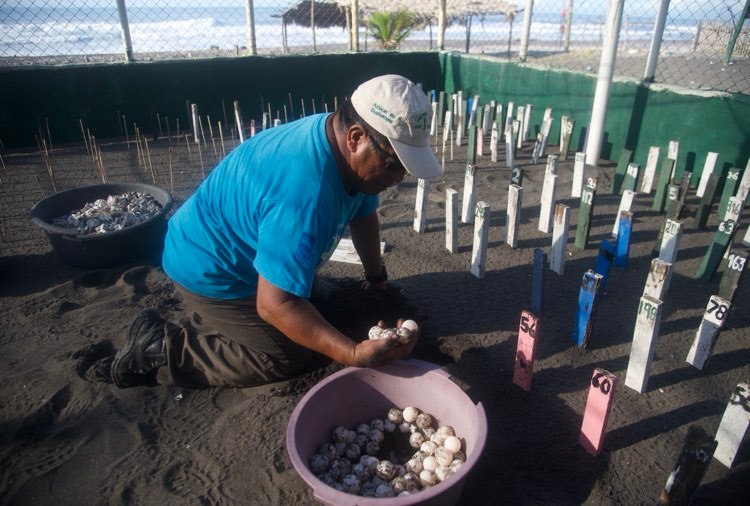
(433, 122)
(481, 233)
(480, 142)
(526, 121)
(420, 210)
(508, 119)
(672, 152)
(547, 114)
(446, 130)
(626, 203)
(467, 209)
(520, 114)
(238, 120)
(515, 197)
(708, 169)
(346, 253)
(578, 169)
(548, 195)
(657, 282)
(649, 173)
(746, 239)
(733, 425)
(510, 136)
(451, 220)
(744, 188)
(194, 111)
(670, 241)
(559, 239)
(493, 142)
(708, 332)
(646, 331)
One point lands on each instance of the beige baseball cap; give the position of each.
(400, 110)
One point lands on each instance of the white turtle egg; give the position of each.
(395, 415)
(399, 469)
(416, 439)
(384, 490)
(388, 334)
(351, 484)
(405, 427)
(398, 484)
(410, 414)
(404, 335)
(363, 428)
(427, 478)
(360, 471)
(388, 426)
(319, 463)
(411, 325)
(353, 452)
(368, 489)
(459, 456)
(455, 466)
(370, 463)
(412, 481)
(351, 437)
(377, 424)
(430, 463)
(372, 448)
(376, 436)
(443, 456)
(414, 466)
(362, 440)
(340, 448)
(375, 333)
(340, 434)
(428, 447)
(328, 450)
(386, 470)
(424, 421)
(452, 444)
(441, 473)
(444, 431)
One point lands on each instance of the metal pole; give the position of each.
(250, 20)
(524, 49)
(355, 26)
(312, 24)
(568, 25)
(737, 30)
(122, 11)
(653, 52)
(441, 26)
(603, 82)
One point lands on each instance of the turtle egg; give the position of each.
(376, 436)
(377, 424)
(372, 448)
(428, 447)
(427, 478)
(375, 333)
(455, 466)
(386, 470)
(351, 484)
(362, 440)
(384, 490)
(328, 450)
(360, 471)
(459, 455)
(368, 489)
(353, 451)
(411, 325)
(370, 463)
(416, 439)
(351, 437)
(340, 448)
(441, 473)
(395, 415)
(414, 466)
(410, 414)
(340, 434)
(430, 463)
(404, 427)
(443, 456)
(319, 463)
(444, 431)
(424, 421)
(412, 481)
(398, 484)
(452, 444)
(399, 470)
(388, 334)
(388, 426)
(404, 334)
(363, 428)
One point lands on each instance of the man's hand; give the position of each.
(371, 353)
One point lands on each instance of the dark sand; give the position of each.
(70, 437)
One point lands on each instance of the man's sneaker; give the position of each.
(143, 353)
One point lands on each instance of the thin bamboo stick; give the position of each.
(221, 136)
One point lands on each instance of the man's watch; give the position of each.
(378, 278)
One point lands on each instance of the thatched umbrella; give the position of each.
(313, 13)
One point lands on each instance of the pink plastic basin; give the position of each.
(353, 396)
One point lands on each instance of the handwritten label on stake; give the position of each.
(644, 343)
(733, 425)
(708, 332)
(598, 406)
(527, 332)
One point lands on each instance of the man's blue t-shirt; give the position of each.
(276, 205)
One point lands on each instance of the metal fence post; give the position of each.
(355, 26)
(441, 26)
(653, 52)
(122, 11)
(524, 49)
(250, 20)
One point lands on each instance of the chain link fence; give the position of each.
(705, 44)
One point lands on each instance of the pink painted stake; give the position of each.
(480, 142)
(598, 406)
(252, 128)
(527, 332)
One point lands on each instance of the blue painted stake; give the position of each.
(587, 300)
(623, 239)
(537, 280)
(607, 251)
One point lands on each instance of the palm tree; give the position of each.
(391, 28)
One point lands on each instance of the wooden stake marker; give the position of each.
(733, 424)
(527, 332)
(690, 467)
(704, 208)
(622, 167)
(631, 177)
(731, 183)
(721, 241)
(737, 262)
(468, 206)
(708, 169)
(526, 122)
(515, 198)
(538, 280)
(560, 238)
(238, 119)
(420, 210)
(493, 142)
(672, 152)
(660, 196)
(587, 301)
(649, 173)
(585, 213)
(670, 241)
(566, 134)
(511, 130)
(579, 167)
(451, 220)
(708, 332)
(481, 233)
(196, 134)
(626, 203)
(657, 281)
(520, 115)
(646, 331)
(548, 195)
(598, 407)
(623, 239)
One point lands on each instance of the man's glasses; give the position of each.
(391, 163)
